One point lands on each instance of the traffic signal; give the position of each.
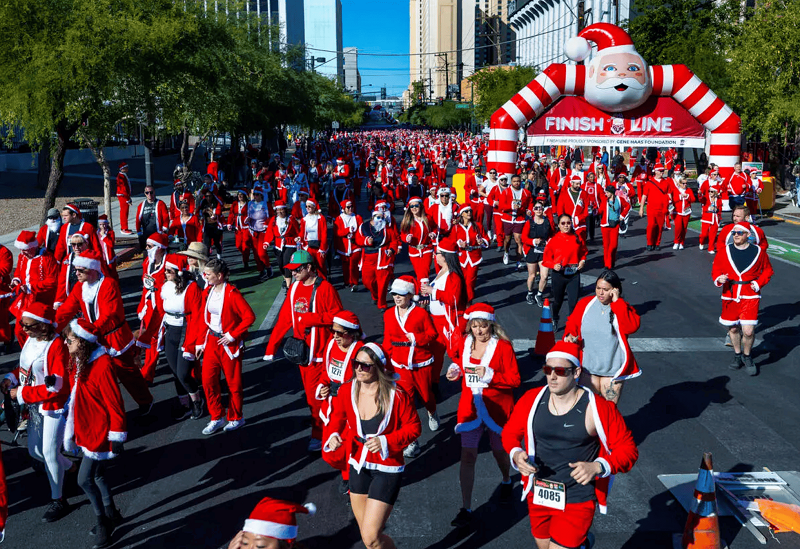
(383, 93)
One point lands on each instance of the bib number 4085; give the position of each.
(549, 495)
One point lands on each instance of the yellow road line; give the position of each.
(786, 219)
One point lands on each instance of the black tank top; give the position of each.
(542, 230)
(370, 426)
(561, 440)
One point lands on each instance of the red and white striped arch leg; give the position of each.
(675, 81)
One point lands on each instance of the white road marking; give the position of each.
(658, 344)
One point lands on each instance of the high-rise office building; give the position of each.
(435, 46)
(487, 38)
(352, 78)
(323, 31)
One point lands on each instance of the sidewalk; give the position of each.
(785, 211)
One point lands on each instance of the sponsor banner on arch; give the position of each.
(659, 122)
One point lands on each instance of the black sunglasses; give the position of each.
(339, 333)
(559, 370)
(363, 366)
(739, 233)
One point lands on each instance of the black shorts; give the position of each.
(376, 485)
(533, 257)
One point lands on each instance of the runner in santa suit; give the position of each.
(98, 299)
(258, 219)
(186, 227)
(374, 446)
(489, 372)
(640, 175)
(47, 237)
(67, 276)
(448, 300)
(179, 194)
(754, 189)
(573, 201)
(564, 256)
(709, 220)
(471, 241)
(515, 203)
(444, 214)
(237, 222)
(566, 470)
(656, 196)
(149, 309)
(484, 190)
(124, 197)
(281, 233)
(41, 382)
(559, 178)
(152, 216)
(6, 295)
(613, 210)
(308, 311)
(34, 279)
(681, 197)
(313, 235)
(339, 355)
(345, 227)
(417, 232)
(408, 335)
(342, 171)
(535, 233)
(740, 214)
(594, 191)
(441, 169)
(220, 345)
(380, 244)
(107, 240)
(72, 222)
(737, 186)
(741, 269)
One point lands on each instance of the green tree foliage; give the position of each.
(440, 117)
(765, 71)
(493, 87)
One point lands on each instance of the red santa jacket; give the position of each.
(151, 292)
(338, 369)
(626, 322)
(123, 186)
(236, 318)
(237, 218)
(618, 451)
(474, 240)
(345, 227)
(515, 210)
(191, 231)
(448, 299)
(418, 237)
(282, 236)
(108, 312)
(487, 400)
(310, 322)
(564, 249)
(107, 243)
(593, 192)
(37, 281)
(737, 184)
(605, 207)
(656, 193)
(443, 217)
(559, 178)
(399, 350)
(193, 321)
(6, 268)
(96, 411)
(322, 232)
(43, 237)
(681, 200)
(51, 400)
(86, 229)
(757, 235)
(759, 271)
(162, 217)
(576, 209)
(385, 244)
(174, 201)
(399, 428)
(711, 210)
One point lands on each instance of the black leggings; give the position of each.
(92, 480)
(570, 285)
(181, 368)
(284, 258)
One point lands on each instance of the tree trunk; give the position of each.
(63, 134)
(100, 157)
(44, 165)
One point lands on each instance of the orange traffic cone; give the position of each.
(702, 526)
(545, 339)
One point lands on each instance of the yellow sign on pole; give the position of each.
(459, 182)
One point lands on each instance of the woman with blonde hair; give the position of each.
(382, 421)
(415, 231)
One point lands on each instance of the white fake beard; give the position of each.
(151, 255)
(610, 100)
(53, 225)
(378, 224)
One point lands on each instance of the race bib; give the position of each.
(336, 370)
(473, 379)
(23, 376)
(570, 270)
(549, 494)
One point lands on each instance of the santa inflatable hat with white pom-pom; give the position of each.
(276, 518)
(617, 78)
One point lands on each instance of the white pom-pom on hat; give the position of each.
(577, 48)
(312, 509)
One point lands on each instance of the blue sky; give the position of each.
(378, 26)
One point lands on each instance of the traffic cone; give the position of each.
(702, 526)
(545, 339)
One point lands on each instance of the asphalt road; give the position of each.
(178, 488)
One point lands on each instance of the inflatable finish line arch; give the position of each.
(615, 81)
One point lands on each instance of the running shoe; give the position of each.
(728, 342)
(233, 425)
(539, 299)
(519, 265)
(675, 246)
(680, 246)
(702, 246)
(197, 409)
(463, 519)
(736, 363)
(749, 365)
(58, 509)
(505, 258)
(180, 412)
(314, 445)
(412, 450)
(530, 298)
(213, 426)
(433, 421)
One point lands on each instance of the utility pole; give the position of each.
(430, 85)
(446, 75)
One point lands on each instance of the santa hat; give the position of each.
(742, 227)
(280, 204)
(158, 239)
(378, 350)
(404, 285)
(340, 160)
(84, 330)
(90, 259)
(464, 208)
(177, 262)
(242, 191)
(74, 209)
(414, 200)
(276, 518)
(39, 312)
(642, 176)
(482, 311)
(102, 219)
(345, 203)
(26, 241)
(258, 189)
(312, 201)
(447, 245)
(565, 349)
(658, 167)
(575, 178)
(347, 319)
(443, 190)
(609, 38)
(123, 164)
(381, 204)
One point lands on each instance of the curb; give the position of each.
(791, 220)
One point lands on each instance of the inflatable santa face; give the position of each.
(617, 79)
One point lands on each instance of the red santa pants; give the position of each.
(498, 229)
(708, 235)
(311, 375)
(681, 224)
(150, 361)
(439, 347)
(655, 226)
(131, 378)
(244, 243)
(471, 278)
(258, 240)
(216, 359)
(418, 380)
(322, 265)
(350, 268)
(124, 208)
(610, 244)
(376, 280)
(752, 205)
(422, 265)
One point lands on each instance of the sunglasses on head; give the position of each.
(559, 370)
(363, 366)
